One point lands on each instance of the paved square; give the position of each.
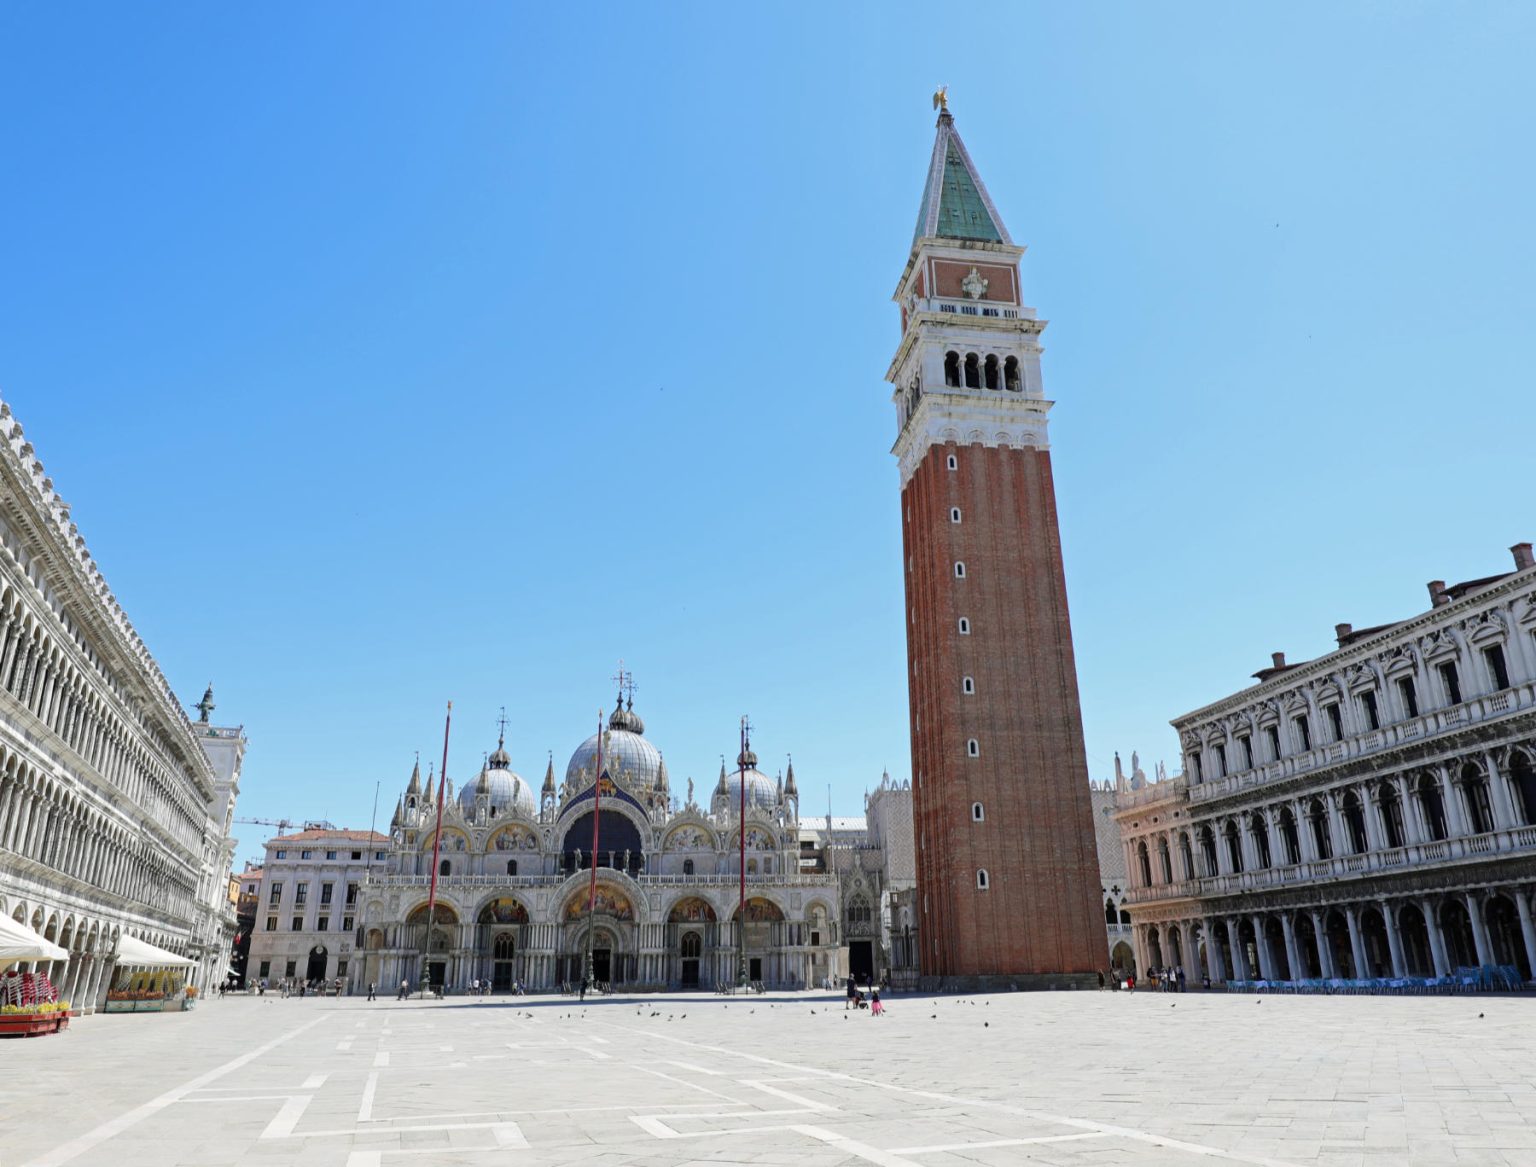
(1041, 1078)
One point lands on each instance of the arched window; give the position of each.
(973, 748)
(1109, 913)
(965, 626)
(972, 371)
(1165, 860)
(953, 463)
(1431, 806)
(978, 813)
(991, 371)
(1391, 814)
(687, 866)
(1288, 836)
(444, 868)
(1208, 850)
(1322, 842)
(954, 514)
(692, 946)
(1144, 862)
(511, 866)
(1474, 789)
(1011, 374)
(959, 569)
(1234, 847)
(1260, 835)
(982, 882)
(1522, 776)
(968, 685)
(952, 371)
(1188, 856)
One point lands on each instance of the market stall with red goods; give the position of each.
(147, 979)
(29, 1004)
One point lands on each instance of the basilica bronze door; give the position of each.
(602, 965)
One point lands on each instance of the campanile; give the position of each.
(1007, 869)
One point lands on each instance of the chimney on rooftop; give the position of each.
(1437, 596)
(1278, 658)
(1342, 632)
(1523, 557)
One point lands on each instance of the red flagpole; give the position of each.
(437, 835)
(597, 803)
(741, 774)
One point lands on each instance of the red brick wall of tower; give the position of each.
(1041, 912)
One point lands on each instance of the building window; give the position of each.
(1410, 696)
(265, 970)
(326, 891)
(306, 854)
(1272, 732)
(1452, 682)
(968, 685)
(982, 882)
(978, 815)
(288, 972)
(323, 924)
(1335, 721)
(954, 514)
(271, 923)
(1498, 671)
(1197, 766)
(1372, 711)
(300, 893)
(973, 748)
(379, 855)
(959, 569)
(1247, 743)
(687, 866)
(277, 893)
(444, 868)
(953, 463)
(282, 854)
(1304, 732)
(990, 370)
(330, 854)
(341, 968)
(356, 855)
(1221, 758)
(296, 924)
(965, 626)
(347, 923)
(351, 894)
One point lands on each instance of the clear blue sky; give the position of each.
(392, 353)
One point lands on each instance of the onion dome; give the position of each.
(506, 791)
(626, 754)
(747, 759)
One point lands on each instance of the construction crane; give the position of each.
(284, 824)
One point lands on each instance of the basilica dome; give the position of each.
(508, 793)
(762, 791)
(628, 755)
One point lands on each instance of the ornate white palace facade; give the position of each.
(115, 809)
(1368, 814)
(515, 868)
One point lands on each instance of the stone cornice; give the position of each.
(966, 418)
(43, 518)
(1326, 665)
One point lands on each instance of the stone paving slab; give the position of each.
(1067, 1079)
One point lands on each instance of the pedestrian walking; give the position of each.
(875, 1008)
(405, 989)
(1101, 980)
(853, 992)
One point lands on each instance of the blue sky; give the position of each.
(394, 353)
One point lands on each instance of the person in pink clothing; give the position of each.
(875, 1008)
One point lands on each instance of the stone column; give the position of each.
(1504, 816)
(1277, 855)
(1261, 942)
(1219, 964)
(1239, 956)
(1370, 810)
(1337, 834)
(1356, 941)
(1324, 948)
(1436, 941)
(1479, 930)
(1192, 965)
(1291, 957)
(1394, 939)
(1527, 928)
(1304, 840)
(1450, 798)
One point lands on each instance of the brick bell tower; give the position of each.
(1007, 868)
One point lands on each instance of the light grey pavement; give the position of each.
(1038, 1078)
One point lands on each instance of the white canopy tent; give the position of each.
(19, 943)
(135, 953)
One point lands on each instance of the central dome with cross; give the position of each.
(627, 756)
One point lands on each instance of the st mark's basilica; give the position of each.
(515, 866)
